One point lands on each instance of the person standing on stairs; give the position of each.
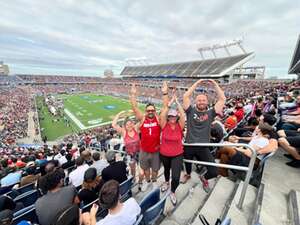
(199, 119)
(150, 140)
(171, 148)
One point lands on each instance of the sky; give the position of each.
(85, 37)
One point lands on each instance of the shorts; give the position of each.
(133, 157)
(294, 141)
(149, 160)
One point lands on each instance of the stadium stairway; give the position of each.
(192, 201)
(280, 201)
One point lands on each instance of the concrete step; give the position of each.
(243, 216)
(294, 204)
(181, 194)
(279, 179)
(214, 205)
(139, 195)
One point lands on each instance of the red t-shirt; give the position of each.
(171, 141)
(239, 114)
(150, 135)
(231, 122)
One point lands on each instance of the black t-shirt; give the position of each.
(198, 125)
(115, 171)
(87, 196)
(68, 164)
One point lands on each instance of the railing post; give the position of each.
(248, 177)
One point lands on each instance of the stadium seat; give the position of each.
(125, 189)
(138, 220)
(226, 221)
(152, 207)
(101, 212)
(257, 173)
(78, 187)
(27, 213)
(28, 198)
(16, 192)
(68, 216)
(6, 189)
(26, 188)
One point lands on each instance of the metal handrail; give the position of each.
(249, 169)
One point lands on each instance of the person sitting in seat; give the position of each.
(241, 156)
(117, 170)
(118, 213)
(99, 164)
(91, 186)
(13, 177)
(56, 199)
(76, 176)
(31, 176)
(290, 142)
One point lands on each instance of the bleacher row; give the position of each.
(185, 69)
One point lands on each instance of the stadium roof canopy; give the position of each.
(295, 63)
(215, 67)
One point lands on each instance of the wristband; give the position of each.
(165, 93)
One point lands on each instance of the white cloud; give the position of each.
(87, 37)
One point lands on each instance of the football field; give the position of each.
(84, 111)
(92, 110)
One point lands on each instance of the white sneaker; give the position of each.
(145, 186)
(165, 186)
(173, 198)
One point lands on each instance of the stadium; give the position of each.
(68, 157)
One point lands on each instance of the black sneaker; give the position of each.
(295, 163)
(289, 156)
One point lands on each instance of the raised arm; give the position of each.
(187, 95)
(181, 113)
(138, 114)
(115, 124)
(165, 97)
(221, 98)
(164, 112)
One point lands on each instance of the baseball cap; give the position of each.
(110, 156)
(172, 112)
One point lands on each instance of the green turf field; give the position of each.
(85, 111)
(49, 125)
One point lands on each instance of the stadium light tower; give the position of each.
(140, 61)
(226, 46)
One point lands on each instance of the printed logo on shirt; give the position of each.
(200, 118)
(147, 125)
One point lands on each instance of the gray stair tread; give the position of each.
(244, 216)
(169, 222)
(279, 179)
(139, 195)
(187, 209)
(181, 192)
(216, 201)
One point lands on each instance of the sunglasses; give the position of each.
(150, 110)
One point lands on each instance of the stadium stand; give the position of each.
(295, 62)
(203, 68)
(271, 197)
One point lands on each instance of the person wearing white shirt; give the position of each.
(76, 176)
(125, 213)
(99, 164)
